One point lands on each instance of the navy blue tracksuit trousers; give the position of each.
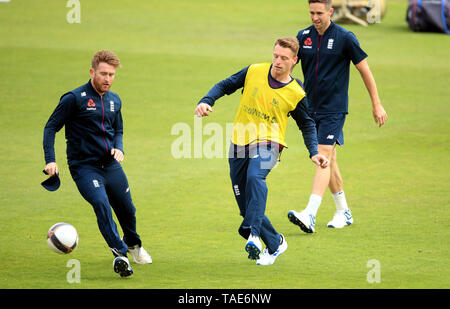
(106, 187)
(249, 167)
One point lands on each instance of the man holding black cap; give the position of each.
(93, 124)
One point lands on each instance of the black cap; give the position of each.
(52, 183)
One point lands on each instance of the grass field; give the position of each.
(172, 52)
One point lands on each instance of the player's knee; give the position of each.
(254, 179)
(131, 210)
(101, 208)
(128, 203)
(333, 161)
(327, 151)
(99, 204)
(97, 199)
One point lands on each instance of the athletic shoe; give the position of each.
(303, 219)
(253, 247)
(341, 218)
(122, 266)
(268, 259)
(140, 256)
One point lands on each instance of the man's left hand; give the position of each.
(118, 154)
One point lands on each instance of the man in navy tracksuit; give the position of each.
(93, 124)
(325, 53)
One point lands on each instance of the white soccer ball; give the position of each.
(62, 238)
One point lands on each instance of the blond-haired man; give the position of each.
(269, 97)
(93, 124)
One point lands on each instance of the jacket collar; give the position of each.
(92, 89)
(330, 27)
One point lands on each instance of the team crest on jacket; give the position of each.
(330, 43)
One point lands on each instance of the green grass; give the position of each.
(172, 52)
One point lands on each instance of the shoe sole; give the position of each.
(121, 267)
(261, 264)
(299, 223)
(145, 262)
(252, 250)
(340, 227)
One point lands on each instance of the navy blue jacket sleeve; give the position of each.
(56, 121)
(352, 49)
(225, 87)
(118, 132)
(307, 125)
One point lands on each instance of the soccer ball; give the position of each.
(62, 238)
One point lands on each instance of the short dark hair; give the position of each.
(326, 2)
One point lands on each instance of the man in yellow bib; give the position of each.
(269, 97)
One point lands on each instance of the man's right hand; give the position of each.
(51, 169)
(203, 109)
(379, 115)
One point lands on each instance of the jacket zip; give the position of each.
(103, 127)
(317, 69)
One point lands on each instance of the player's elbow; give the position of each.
(362, 66)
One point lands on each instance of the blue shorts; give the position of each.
(330, 128)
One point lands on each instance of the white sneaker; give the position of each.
(253, 247)
(140, 256)
(268, 259)
(304, 220)
(341, 218)
(122, 266)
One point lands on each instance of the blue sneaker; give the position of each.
(340, 219)
(253, 247)
(122, 266)
(267, 258)
(304, 220)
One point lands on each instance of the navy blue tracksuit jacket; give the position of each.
(93, 126)
(325, 61)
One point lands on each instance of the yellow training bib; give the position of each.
(263, 111)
